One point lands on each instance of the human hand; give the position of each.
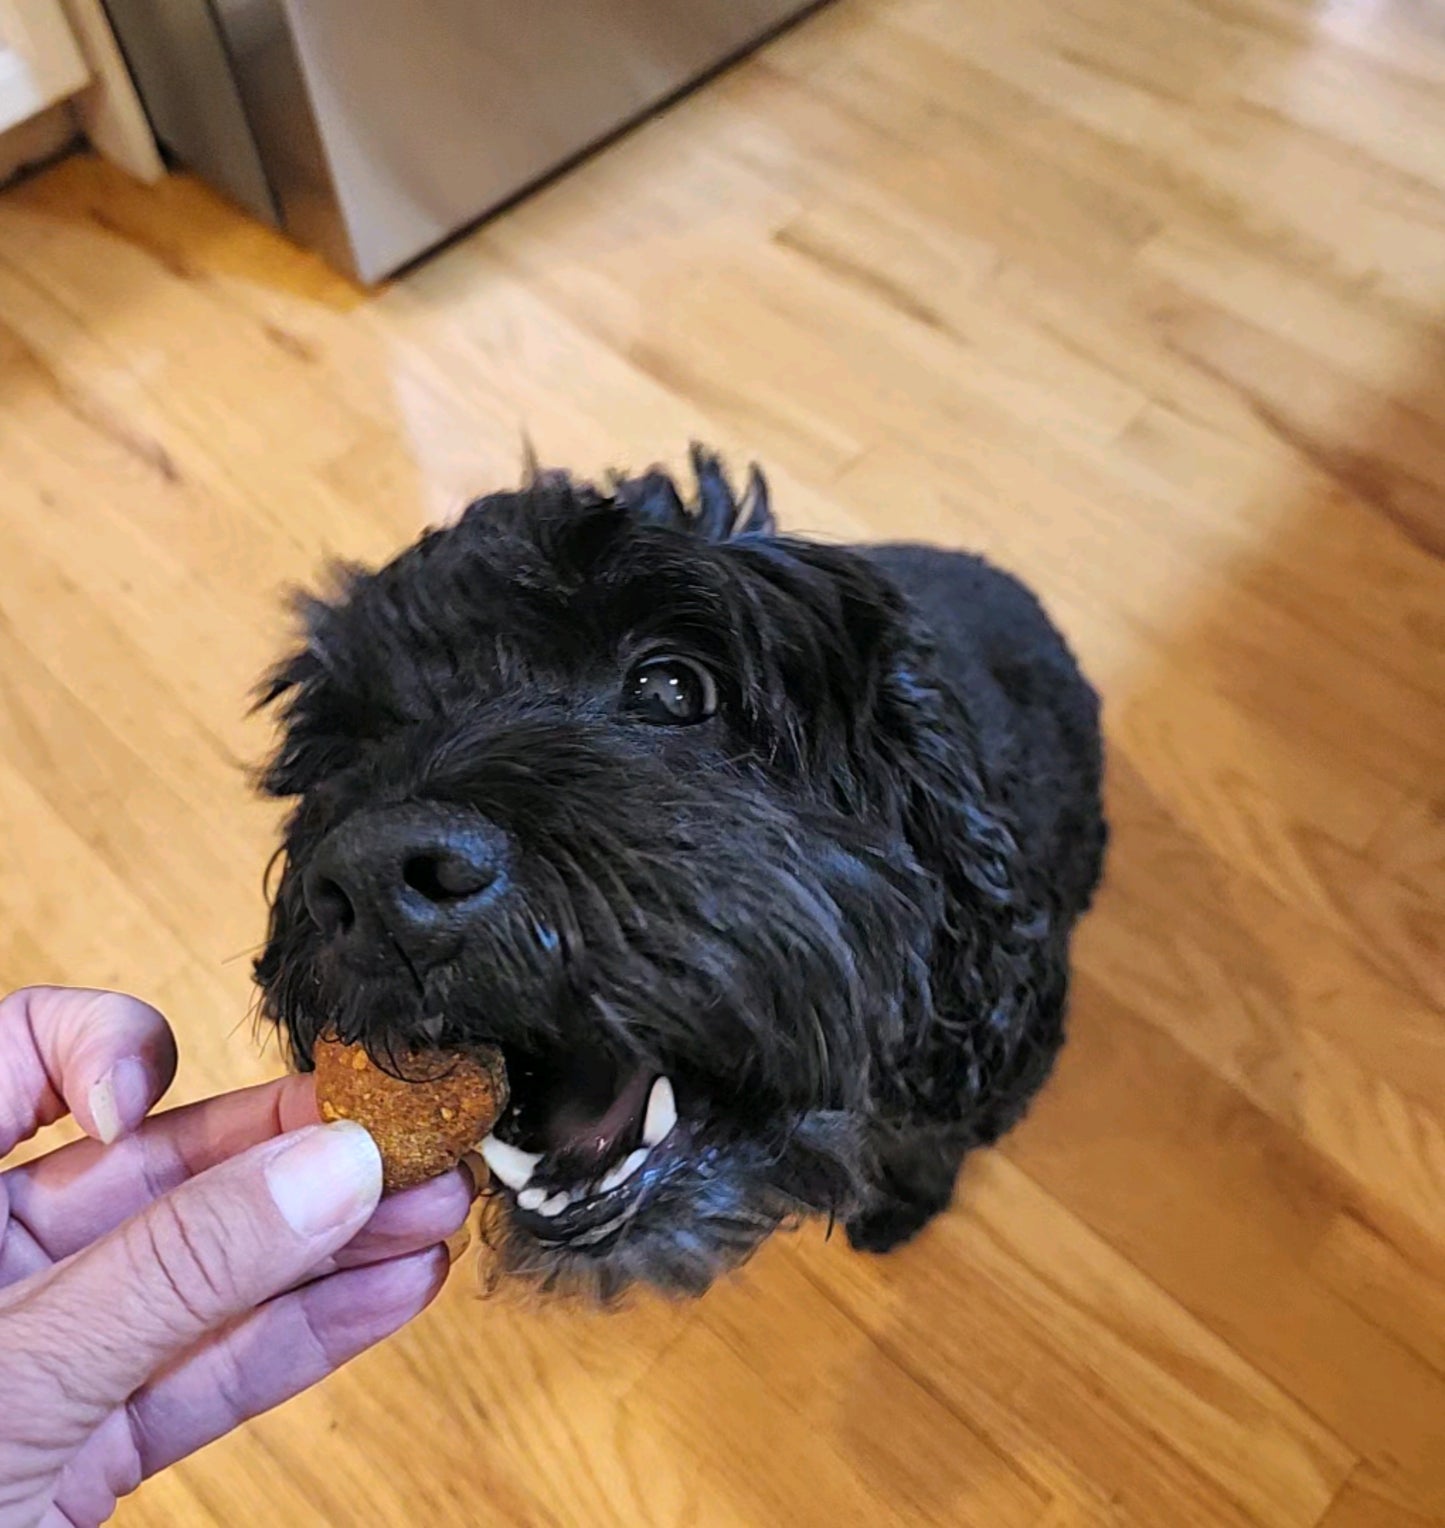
(172, 1277)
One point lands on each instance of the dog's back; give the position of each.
(1036, 716)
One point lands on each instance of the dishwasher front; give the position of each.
(373, 129)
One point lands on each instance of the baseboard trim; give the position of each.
(37, 141)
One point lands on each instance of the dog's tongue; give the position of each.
(591, 1120)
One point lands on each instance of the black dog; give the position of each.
(758, 858)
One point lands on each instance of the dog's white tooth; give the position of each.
(532, 1198)
(661, 1112)
(624, 1169)
(555, 1205)
(510, 1163)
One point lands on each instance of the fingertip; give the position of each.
(416, 1217)
(455, 1190)
(433, 1266)
(408, 1284)
(447, 1189)
(449, 1200)
(325, 1180)
(297, 1107)
(405, 1287)
(357, 1307)
(120, 1100)
(122, 1043)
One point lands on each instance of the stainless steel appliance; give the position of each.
(373, 129)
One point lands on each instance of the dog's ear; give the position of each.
(998, 963)
(318, 716)
(717, 514)
(951, 813)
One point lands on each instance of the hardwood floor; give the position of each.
(1142, 297)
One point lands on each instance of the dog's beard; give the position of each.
(695, 985)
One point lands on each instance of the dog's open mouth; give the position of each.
(583, 1143)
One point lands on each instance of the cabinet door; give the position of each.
(40, 63)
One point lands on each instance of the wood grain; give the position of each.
(1143, 300)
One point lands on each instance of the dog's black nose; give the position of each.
(405, 879)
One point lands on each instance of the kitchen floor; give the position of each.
(1141, 297)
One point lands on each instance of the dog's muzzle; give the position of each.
(408, 888)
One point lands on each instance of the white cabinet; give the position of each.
(40, 60)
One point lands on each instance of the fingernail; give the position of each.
(118, 1102)
(328, 1177)
(474, 1167)
(457, 1245)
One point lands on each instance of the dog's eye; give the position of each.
(670, 692)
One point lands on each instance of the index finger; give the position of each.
(76, 1195)
(104, 1057)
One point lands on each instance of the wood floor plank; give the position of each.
(806, 1369)
(1151, 1413)
(1223, 1207)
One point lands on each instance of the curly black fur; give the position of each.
(837, 913)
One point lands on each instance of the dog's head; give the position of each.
(634, 790)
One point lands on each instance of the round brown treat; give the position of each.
(422, 1125)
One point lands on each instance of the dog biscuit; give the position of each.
(423, 1124)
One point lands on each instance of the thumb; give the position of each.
(97, 1328)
